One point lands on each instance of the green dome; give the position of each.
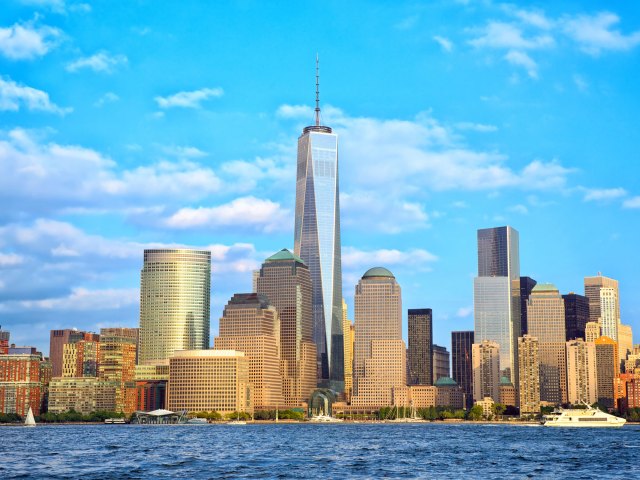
(446, 382)
(378, 272)
(505, 381)
(284, 254)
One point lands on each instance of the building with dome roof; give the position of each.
(449, 393)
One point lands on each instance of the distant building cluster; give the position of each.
(289, 342)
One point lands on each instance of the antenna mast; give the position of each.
(317, 90)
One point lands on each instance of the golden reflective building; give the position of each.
(348, 333)
(175, 289)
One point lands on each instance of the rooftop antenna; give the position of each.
(317, 90)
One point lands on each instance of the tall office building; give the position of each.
(609, 319)
(526, 285)
(529, 365)
(592, 286)
(592, 331)
(379, 357)
(608, 368)
(582, 384)
(348, 332)
(497, 295)
(317, 242)
(285, 280)
(441, 361)
(57, 341)
(461, 364)
(486, 370)
(545, 312)
(175, 291)
(576, 315)
(420, 352)
(251, 325)
(625, 341)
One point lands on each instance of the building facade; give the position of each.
(592, 286)
(529, 364)
(592, 331)
(576, 315)
(625, 341)
(175, 291)
(582, 383)
(607, 366)
(83, 394)
(486, 370)
(20, 384)
(526, 285)
(116, 365)
(57, 341)
(461, 363)
(317, 242)
(348, 333)
(609, 321)
(80, 359)
(420, 351)
(441, 362)
(497, 294)
(286, 282)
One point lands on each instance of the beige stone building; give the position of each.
(609, 312)
(379, 363)
(508, 394)
(209, 380)
(582, 383)
(546, 322)
(82, 394)
(529, 365)
(80, 359)
(592, 286)
(250, 324)
(348, 333)
(485, 362)
(592, 331)
(285, 280)
(625, 341)
(607, 366)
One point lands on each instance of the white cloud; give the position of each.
(534, 18)
(82, 299)
(521, 209)
(102, 62)
(445, 43)
(192, 99)
(10, 259)
(294, 111)
(603, 194)
(183, 151)
(581, 83)
(633, 202)
(371, 212)
(14, 95)
(521, 59)
(24, 41)
(476, 127)
(108, 97)
(245, 212)
(508, 36)
(595, 33)
(56, 6)
(355, 258)
(464, 312)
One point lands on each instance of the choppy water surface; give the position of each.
(307, 451)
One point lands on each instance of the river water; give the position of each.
(430, 450)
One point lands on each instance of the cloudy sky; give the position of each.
(138, 124)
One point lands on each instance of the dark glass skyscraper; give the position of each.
(576, 315)
(420, 350)
(461, 364)
(317, 242)
(526, 285)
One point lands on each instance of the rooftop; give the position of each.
(378, 272)
(284, 254)
(446, 382)
(544, 287)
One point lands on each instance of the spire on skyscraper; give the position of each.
(317, 90)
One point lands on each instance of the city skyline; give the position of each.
(110, 161)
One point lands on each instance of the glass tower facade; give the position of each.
(497, 295)
(175, 290)
(317, 242)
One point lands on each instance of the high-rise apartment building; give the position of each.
(82, 394)
(582, 384)
(609, 319)
(461, 364)
(251, 325)
(80, 359)
(497, 295)
(348, 332)
(379, 359)
(486, 370)
(209, 380)
(529, 365)
(175, 291)
(285, 280)
(317, 242)
(545, 312)
(57, 340)
(576, 315)
(592, 286)
(441, 361)
(420, 351)
(607, 365)
(116, 363)
(20, 384)
(526, 285)
(592, 331)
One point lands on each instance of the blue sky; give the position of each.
(137, 124)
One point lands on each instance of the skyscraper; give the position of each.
(581, 372)
(420, 352)
(529, 365)
(526, 285)
(461, 364)
(609, 319)
(592, 286)
(576, 315)
(608, 368)
(486, 370)
(379, 364)
(285, 280)
(317, 242)
(497, 295)
(251, 325)
(625, 341)
(441, 361)
(545, 312)
(592, 331)
(348, 333)
(57, 340)
(175, 291)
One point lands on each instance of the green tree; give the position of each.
(475, 413)
(498, 409)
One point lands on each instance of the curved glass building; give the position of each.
(175, 290)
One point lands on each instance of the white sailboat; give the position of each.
(30, 421)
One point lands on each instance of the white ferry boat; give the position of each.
(325, 419)
(581, 417)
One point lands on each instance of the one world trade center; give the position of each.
(317, 242)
